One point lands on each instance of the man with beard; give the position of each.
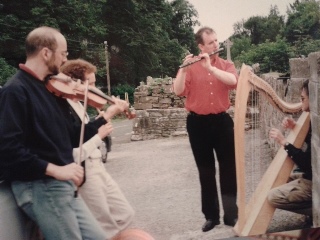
(37, 136)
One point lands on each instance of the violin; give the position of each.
(67, 87)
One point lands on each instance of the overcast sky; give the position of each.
(222, 14)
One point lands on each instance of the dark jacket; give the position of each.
(302, 158)
(35, 128)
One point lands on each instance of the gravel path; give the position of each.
(160, 180)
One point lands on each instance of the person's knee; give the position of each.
(272, 198)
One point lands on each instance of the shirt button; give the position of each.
(209, 74)
(211, 103)
(211, 83)
(211, 93)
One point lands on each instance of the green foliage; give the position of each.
(270, 41)
(261, 29)
(121, 89)
(303, 20)
(144, 34)
(145, 38)
(240, 45)
(182, 22)
(150, 37)
(6, 71)
(309, 46)
(272, 56)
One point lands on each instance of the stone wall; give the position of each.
(314, 98)
(161, 114)
(156, 93)
(158, 123)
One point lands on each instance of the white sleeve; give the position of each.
(87, 148)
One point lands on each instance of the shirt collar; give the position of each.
(28, 70)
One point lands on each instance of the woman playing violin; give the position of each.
(100, 192)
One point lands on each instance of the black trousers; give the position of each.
(208, 133)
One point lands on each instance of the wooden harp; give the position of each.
(255, 215)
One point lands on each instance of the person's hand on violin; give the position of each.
(100, 113)
(105, 130)
(131, 114)
(119, 106)
(73, 172)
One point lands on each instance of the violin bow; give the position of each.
(85, 104)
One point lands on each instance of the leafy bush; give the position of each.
(272, 56)
(6, 71)
(121, 89)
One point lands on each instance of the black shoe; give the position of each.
(208, 225)
(230, 222)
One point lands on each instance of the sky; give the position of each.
(222, 14)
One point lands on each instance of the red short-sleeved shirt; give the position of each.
(204, 93)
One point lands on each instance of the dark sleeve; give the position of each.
(14, 115)
(301, 158)
(90, 129)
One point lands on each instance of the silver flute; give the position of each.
(199, 59)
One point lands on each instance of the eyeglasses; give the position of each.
(63, 53)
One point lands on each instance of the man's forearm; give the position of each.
(179, 82)
(223, 76)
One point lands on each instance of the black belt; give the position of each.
(206, 115)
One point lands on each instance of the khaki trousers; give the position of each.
(105, 199)
(294, 196)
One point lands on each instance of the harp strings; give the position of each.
(262, 116)
(253, 157)
(249, 221)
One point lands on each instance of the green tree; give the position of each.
(256, 27)
(79, 21)
(275, 24)
(306, 46)
(145, 38)
(143, 34)
(240, 45)
(6, 71)
(303, 20)
(261, 28)
(239, 30)
(272, 56)
(183, 21)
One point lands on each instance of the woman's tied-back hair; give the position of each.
(199, 33)
(78, 68)
(39, 38)
(305, 86)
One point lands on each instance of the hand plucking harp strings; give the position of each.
(279, 134)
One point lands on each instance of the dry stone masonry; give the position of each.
(160, 113)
